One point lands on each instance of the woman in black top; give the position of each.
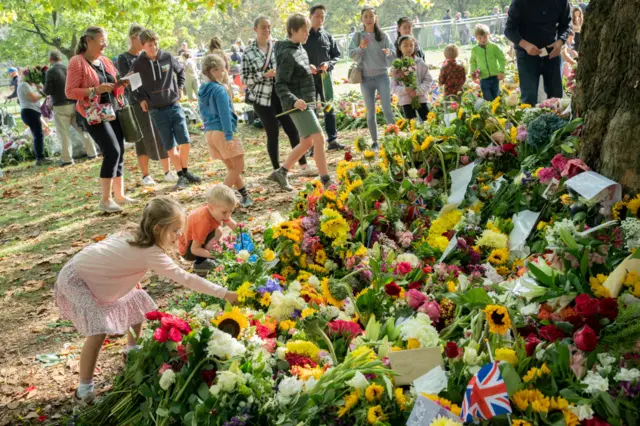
(149, 147)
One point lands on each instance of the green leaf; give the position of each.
(511, 378)
(563, 358)
(584, 264)
(203, 391)
(567, 327)
(540, 276)
(162, 412)
(476, 298)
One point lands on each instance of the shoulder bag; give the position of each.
(355, 73)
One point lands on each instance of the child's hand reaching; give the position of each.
(211, 244)
(231, 297)
(300, 104)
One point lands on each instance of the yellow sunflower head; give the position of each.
(231, 322)
(499, 256)
(498, 318)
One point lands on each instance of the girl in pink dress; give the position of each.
(99, 290)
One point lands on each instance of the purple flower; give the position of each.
(522, 133)
(296, 314)
(308, 243)
(272, 285)
(310, 222)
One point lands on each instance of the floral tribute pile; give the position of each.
(511, 265)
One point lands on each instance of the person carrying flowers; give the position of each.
(221, 123)
(296, 90)
(99, 288)
(411, 85)
(488, 58)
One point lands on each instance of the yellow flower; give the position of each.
(495, 104)
(378, 110)
(349, 189)
(307, 312)
(244, 292)
(513, 134)
(521, 399)
(321, 257)
(291, 229)
(617, 208)
(492, 239)
(499, 256)
(460, 113)
(375, 415)
(326, 293)
(401, 399)
(302, 347)
(330, 195)
(520, 423)
(633, 205)
(544, 369)
(525, 106)
(451, 287)
(286, 325)
(498, 318)
(305, 373)
(266, 299)
(570, 419)
(455, 409)
(365, 353)
(540, 405)
(599, 290)
(333, 224)
(413, 343)
(268, 255)
(566, 199)
(233, 316)
(441, 226)
(503, 270)
(374, 392)
(349, 402)
(285, 272)
(431, 117)
(401, 123)
(559, 404)
(443, 421)
(538, 170)
(412, 124)
(507, 355)
(426, 143)
(541, 225)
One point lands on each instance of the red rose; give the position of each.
(167, 322)
(153, 315)
(427, 269)
(586, 339)
(392, 289)
(532, 343)
(175, 335)
(415, 285)
(161, 335)
(551, 333)
(183, 326)
(208, 376)
(609, 308)
(587, 306)
(348, 156)
(595, 421)
(452, 350)
(509, 148)
(403, 268)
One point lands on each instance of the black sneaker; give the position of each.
(67, 164)
(202, 269)
(334, 146)
(43, 162)
(182, 183)
(192, 178)
(375, 146)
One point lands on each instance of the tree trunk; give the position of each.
(608, 93)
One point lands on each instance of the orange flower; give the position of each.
(391, 128)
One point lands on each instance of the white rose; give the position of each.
(627, 375)
(413, 173)
(244, 255)
(513, 100)
(167, 379)
(470, 356)
(584, 412)
(314, 281)
(358, 381)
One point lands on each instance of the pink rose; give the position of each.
(161, 335)
(183, 326)
(574, 167)
(432, 309)
(559, 161)
(414, 298)
(464, 159)
(164, 368)
(175, 335)
(546, 175)
(167, 322)
(403, 268)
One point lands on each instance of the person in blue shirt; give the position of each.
(221, 123)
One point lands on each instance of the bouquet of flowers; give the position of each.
(34, 75)
(404, 70)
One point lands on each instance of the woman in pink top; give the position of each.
(99, 290)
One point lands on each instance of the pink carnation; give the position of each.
(164, 368)
(403, 268)
(432, 309)
(415, 299)
(559, 162)
(574, 167)
(546, 175)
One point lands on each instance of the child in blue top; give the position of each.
(221, 123)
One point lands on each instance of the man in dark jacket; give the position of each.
(323, 54)
(160, 94)
(64, 110)
(538, 31)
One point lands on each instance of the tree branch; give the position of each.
(39, 32)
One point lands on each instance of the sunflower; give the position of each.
(333, 224)
(401, 123)
(401, 399)
(495, 105)
(374, 392)
(330, 195)
(619, 210)
(349, 402)
(326, 293)
(633, 205)
(570, 419)
(231, 322)
(426, 143)
(266, 299)
(349, 189)
(369, 155)
(432, 117)
(412, 124)
(499, 256)
(375, 415)
(321, 257)
(498, 318)
(520, 423)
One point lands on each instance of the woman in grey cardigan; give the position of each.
(372, 50)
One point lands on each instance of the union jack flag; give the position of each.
(486, 395)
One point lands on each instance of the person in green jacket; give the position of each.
(487, 63)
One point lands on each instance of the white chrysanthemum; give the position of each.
(283, 305)
(223, 346)
(358, 381)
(584, 412)
(625, 375)
(410, 258)
(281, 353)
(227, 382)
(204, 315)
(631, 232)
(595, 383)
(294, 287)
(314, 281)
(420, 328)
(288, 389)
(167, 379)
(413, 173)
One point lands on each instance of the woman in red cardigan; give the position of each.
(91, 80)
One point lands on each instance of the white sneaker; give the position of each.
(308, 171)
(128, 145)
(109, 207)
(148, 181)
(127, 200)
(171, 177)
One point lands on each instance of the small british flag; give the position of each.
(486, 395)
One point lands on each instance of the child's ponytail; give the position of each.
(213, 62)
(157, 216)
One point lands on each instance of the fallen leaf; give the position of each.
(98, 238)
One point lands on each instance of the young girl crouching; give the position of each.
(99, 288)
(221, 123)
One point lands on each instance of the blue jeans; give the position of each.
(172, 125)
(368, 87)
(490, 88)
(531, 68)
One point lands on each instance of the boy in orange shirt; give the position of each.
(203, 227)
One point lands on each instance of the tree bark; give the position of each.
(608, 90)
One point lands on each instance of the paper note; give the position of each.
(460, 179)
(448, 118)
(543, 52)
(523, 223)
(591, 184)
(433, 382)
(425, 411)
(134, 79)
(414, 363)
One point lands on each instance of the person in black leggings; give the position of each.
(258, 74)
(30, 98)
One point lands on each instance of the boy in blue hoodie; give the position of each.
(221, 123)
(160, 94)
